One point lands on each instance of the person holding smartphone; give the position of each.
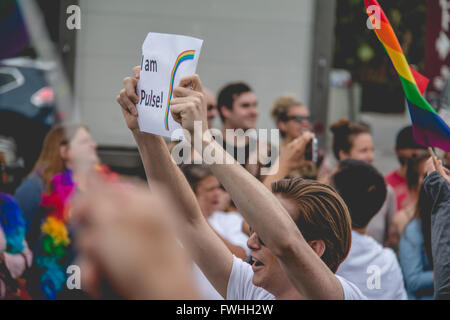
(299, 155)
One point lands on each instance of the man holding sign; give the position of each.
(287, 264)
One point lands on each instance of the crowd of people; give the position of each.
(219, 229)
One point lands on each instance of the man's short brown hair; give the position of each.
(322, 215)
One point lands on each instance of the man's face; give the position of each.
(244, 113)
(208, 194)
(267, 271)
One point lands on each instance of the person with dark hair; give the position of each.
(353, 140)
(437, 188)
(405, 148)
(288, 263)
(374, 269)
(415, 251)
(238, 106)
(238, 110)
(414, 177)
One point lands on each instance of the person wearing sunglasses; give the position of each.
(293, 120)
(291, 117)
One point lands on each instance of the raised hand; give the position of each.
(128, 98)
(188, 104)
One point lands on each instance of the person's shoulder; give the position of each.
(32, 181)
(351, 291)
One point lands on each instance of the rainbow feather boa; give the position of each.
(55, 245)
(12, 223)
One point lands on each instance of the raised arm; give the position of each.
(208, 251)
(256, 203)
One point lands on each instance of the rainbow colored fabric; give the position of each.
(54, 253)
(12, 223)
(55, 249)
(428, 127)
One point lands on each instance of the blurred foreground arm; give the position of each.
(129, 242)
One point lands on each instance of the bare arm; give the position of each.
(209, 252)
(258, 205)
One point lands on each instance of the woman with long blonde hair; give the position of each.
(56, 156)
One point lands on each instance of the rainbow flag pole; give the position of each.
(428, 127)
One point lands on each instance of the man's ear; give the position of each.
(318, 246)
(225, 112)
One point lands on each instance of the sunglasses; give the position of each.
(259, 239)
(297, 119)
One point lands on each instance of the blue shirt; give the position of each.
(416, 267)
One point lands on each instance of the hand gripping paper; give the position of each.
(166, 58)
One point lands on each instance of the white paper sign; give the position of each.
(166, 58)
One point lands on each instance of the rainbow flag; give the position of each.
(428, 127)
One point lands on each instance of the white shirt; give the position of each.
(374, 269)
(204, 287)
(229, 226)
(241, 287)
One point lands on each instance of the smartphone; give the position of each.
(311, 152)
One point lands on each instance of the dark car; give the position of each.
(26, 114)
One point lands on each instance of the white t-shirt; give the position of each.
(229, 226)
(241, 287)
(204, 287)
(374, 269)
